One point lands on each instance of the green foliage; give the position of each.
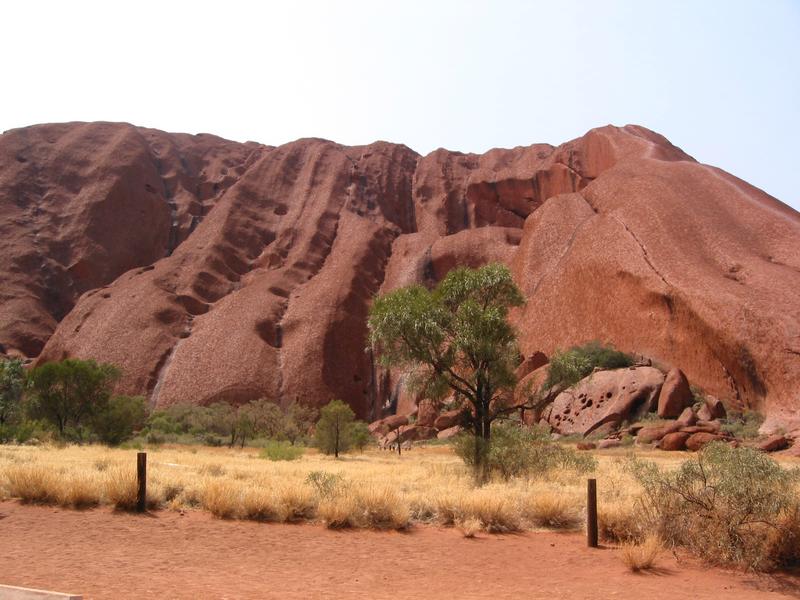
(325, 484)
(518, 451)
(334, 429)
(360, 435)
(121, 417)
(570, 366)
(12, 384)
(744, 425)
(275, 450)
(70, 392)
(455, 337)
(728, 505)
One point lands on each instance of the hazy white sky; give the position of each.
(721, 79)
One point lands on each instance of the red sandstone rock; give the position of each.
(609, 443)
(673, 441)
(388, 424)
(715, 408)
(446, 434)
(647, 435)
(774, 443)
(448, 419)
(586, 445)
(687, 418)
(675, 395)
(605, 398)
(210, 270)
(696, 441)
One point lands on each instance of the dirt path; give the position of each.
(165, 555)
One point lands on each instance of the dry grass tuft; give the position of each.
(469, 528)
(642, 556)
(497, 512)
(260, 504)
(552, 510)
(297, 501)
(222, 498)
(31, 483)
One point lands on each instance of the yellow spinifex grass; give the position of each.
(372, 490)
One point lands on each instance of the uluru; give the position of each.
(211, 270)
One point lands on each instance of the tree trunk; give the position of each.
(336, 441)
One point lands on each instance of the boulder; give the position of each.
(427, 413)
(606, 398)
(654, 433)
(687, 418)
(606, 443)
(387, 424)
(673, 441)
(712, 408)
(675, 395)
(586, 446)
(696, 441)
(774, 443)
(446, 434)
(448, 419)
(530, 364)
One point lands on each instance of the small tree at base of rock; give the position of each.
(455, 337)
(360, 435)
(334, 429)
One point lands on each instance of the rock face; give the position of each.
(213, 270)
(605, 398)
(675, 395)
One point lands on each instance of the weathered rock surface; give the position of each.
(606, 398)
(675, 395)
(213, 270)
(696, 441)
(774, 443)
(647, 435)
(674, 441)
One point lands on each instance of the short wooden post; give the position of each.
(141, 478)
(591, 513)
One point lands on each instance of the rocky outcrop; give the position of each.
(605, 398)
(675, 395)
(213, 270)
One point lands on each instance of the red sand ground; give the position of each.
(166, 555)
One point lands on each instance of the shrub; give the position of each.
(360, 435)
(515, 450)
(744, 425)
(326, 484)
(117, 421)
(728, 505)
(274, 450)
(570, 366)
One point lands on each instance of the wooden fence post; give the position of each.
(141, 478)
(591, 513)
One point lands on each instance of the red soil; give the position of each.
(167, 555)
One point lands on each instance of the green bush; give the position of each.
(275, 450)
(517, 451)
(119, 419)
(744, 425)
(727, 505)
(570, 366)
(324, 483)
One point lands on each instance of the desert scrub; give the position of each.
(274, 450)
(727, 505)
(551, 510)
(568, 367)
(516, 451)
(641, 556)
(744, 425)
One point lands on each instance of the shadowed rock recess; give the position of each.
(213, 270)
